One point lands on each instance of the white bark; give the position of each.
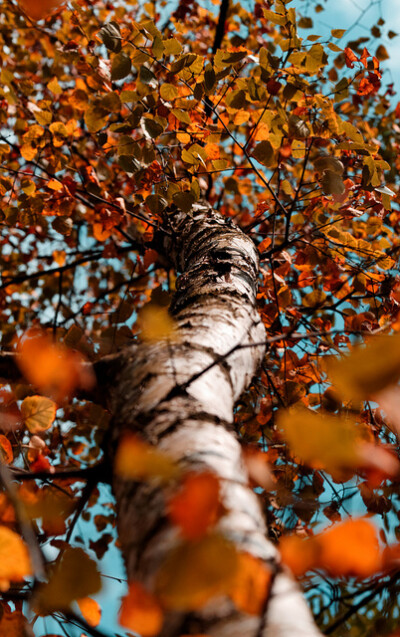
(215, 310)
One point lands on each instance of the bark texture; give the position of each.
(163, 392)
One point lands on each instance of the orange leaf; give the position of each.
(350, 57)
(6, 450)
(251, 584)
(38, 9)
(140, 611)
(54, 184)
(348, 549)
(51, 367)
(298, 554)
(90, 610)
(195, 508)
(137, 460)
(14, 558)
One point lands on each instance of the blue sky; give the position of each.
(344, 14)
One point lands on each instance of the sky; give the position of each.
(358, 16)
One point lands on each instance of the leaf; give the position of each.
(155, 323)
(6, 453)
(264, 153)
(367, 370)
(151, 127)
(196, 506)
(348, 549)
(136, 460)
(75, 576)
(332, 183)
(91, 610)
(15, 563)
(111, 36)
(141, 612)
(40, 8)
(168, 92)
(54, 184)
(328, 162)
(184, 200)
(338, 33)
(381, 53)
(298, 127)
(251, 584)
(38, 413)
(121, 66)
(52, 367)
(321, 440)
(14, 623)
(194, 572)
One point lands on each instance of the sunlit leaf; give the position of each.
(52, 367)
(38, 413)
(90, 610)
(15, 563)
(195, 507)
(6, 453)
(137, 460)
(348, 549)
(141, 612)
(251, 584)
(367, 370)
(155, 323)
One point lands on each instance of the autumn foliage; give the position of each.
(111, 116)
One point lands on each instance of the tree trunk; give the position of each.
(163, 392)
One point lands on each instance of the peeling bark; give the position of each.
(161, 393)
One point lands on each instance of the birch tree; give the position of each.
(199, 232)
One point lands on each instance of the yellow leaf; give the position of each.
(136, 460)
(367, 370)
(54, 86)
(14, 558)
(90, 610)
(155, 322)
(140, 611)
(196, 571)
(322, 441)
(38, 413)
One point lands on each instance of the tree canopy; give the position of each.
(113, 117)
